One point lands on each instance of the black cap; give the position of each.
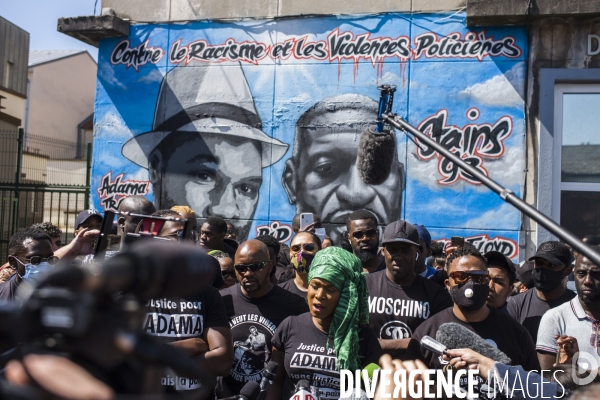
(400, 231)
(84, 215)
(556, 253)
(499, 259)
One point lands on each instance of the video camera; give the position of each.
(93, 314)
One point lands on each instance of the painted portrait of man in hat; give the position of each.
(207, 148)
(321, 176)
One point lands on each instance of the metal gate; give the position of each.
(41, 180)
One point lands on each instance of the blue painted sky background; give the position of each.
(283, 90)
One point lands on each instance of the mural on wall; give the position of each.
(256, 121)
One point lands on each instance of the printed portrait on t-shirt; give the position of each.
(251, 341)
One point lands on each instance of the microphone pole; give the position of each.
(506, 194)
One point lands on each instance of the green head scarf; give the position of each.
(344, 271)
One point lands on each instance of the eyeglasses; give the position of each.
(37, 260)
(231, 232)
(462, 277)
(194, 236)
(254, 267)
(368, 233)
(304, 246)
(227, 275)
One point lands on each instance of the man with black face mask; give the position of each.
(468, 284)
(552, 264)
(399, 299)
(363, 236)
(577, 318)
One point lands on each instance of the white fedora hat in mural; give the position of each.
(209, 99)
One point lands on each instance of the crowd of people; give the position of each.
(318, 307)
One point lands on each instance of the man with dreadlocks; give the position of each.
(333, 336)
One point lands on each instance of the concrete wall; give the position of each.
(14, 105)
(555, 43)
(186, 10)
(61, 96)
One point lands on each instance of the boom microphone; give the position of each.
(375, 155)
(456, 336)
(377, 144)
(148, 270)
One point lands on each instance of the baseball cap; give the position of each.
(556, 253)
(84, 216)
(400, 231)
(500, 260)
(423, 234)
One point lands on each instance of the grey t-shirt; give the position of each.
(527, 308)
(566, 319)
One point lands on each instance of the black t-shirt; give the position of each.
(396, 311)
(9, 288)
(284, 274)
(307, 355)
(527, 308)
(498, 329)
(253, 323)
(283, 258)
(175, 318)
(291, 286)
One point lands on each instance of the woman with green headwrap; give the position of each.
(333, 336)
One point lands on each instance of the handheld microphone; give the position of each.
(250, 391)
(303, 391)
(148, 270)
(371, 368)
(429, 343)
(268, 375)
(377, 145)
(456, 336)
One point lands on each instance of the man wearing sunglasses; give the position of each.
(303, 248)
(363, 236)
(255, 307)
(578, 318)
(30, 255)
(552, 264)
(399, 299)
(468, 283)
